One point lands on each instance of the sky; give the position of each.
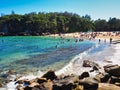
(103, 9)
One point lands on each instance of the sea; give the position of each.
(35, 55)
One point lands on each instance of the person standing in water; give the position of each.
(99, 41)
(105, 41)
(110, 40)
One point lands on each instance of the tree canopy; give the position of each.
(38, 23)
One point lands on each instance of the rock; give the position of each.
(89, 84)
(4, 75)
(20, 87)
(113, 70)
(66, 83)
(26, 82)
(102, 77)
(41, 80)
(1, 84)
(46, 86)
(34, 84)
(83, 75)
(50, 75)
(91, 70)
(21, 81)
(106, 86)
(87, 63)
(109, 65)
(95, 68)
(37, 88)
(79, 87)
(18, 77)
(63, 87)
(28, 88)
(11, 72)
(117, 84)
(114, 79)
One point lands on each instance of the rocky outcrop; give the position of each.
(49, 81)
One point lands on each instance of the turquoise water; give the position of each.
(33, 53)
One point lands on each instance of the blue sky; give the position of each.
(95, 8)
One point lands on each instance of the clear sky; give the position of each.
(95, 8)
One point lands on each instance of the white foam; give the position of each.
(12, 85)
(116, 57)
(74, 66)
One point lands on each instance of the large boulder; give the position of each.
(50, 75)
(89, 84)
(113, 70)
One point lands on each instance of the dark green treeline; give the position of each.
(39, 23)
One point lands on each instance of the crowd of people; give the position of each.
(100, 36)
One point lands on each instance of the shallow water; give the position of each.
(33, 53)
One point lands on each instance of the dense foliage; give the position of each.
(37, 24)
